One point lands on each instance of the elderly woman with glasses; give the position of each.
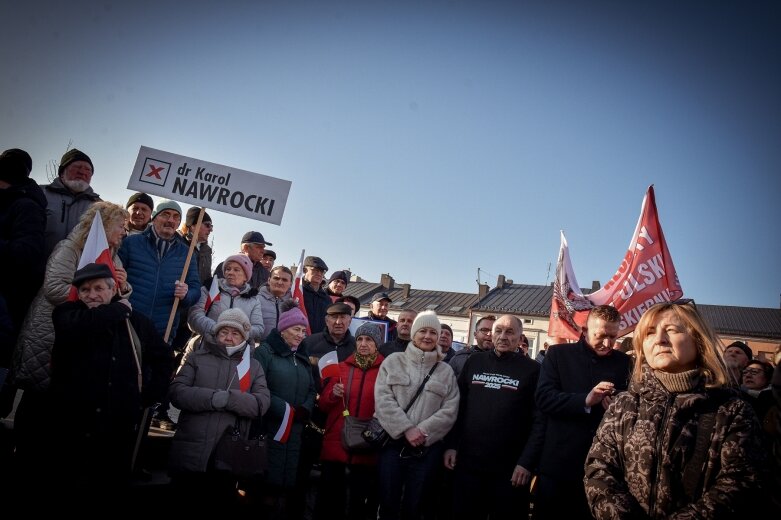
(680, 443)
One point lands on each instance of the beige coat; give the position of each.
(436, 408)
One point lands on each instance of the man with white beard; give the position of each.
(68, 196)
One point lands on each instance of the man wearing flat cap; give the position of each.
(268, 259)
(253, 245)
(68, 196)
(140, 206)
(108, 362)
(316, 299)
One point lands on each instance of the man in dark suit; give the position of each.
(577, 384)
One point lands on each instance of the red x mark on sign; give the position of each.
(154, 171)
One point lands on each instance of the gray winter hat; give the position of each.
(167, 204)
(372, 331)
(234, 318)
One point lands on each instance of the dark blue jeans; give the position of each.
(405, 479)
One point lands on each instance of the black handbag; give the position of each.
(241, 457)
(353, 440)
(375, 434)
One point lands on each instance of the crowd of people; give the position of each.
(668, 424)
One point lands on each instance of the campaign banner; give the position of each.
(646, 275)
(214, 186)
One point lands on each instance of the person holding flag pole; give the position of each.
(163, 273)
(96, 238)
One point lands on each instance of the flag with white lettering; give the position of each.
(569, 307)
(646, 275)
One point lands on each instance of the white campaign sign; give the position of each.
(211, 185)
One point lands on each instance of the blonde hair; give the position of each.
(710, 362)
(110, 213)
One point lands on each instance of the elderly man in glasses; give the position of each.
(483, 343)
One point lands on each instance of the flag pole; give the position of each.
(184, 273)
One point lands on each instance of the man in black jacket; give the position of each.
(577, 384)
(493, 445)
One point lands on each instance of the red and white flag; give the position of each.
(328, 365)
(298, 293)
(569, 308)
(243, 369)
(646, 275)
(283, 433)
(214, 294)
(96, 251)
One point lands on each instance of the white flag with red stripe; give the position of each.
(328, 365)
(95, 251)
(214, 294)
(243, 369)
(283, 433)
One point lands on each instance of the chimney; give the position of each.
(405, 287)
(595, 285)
(482, 291)
(509, 282)
(500, 282)
(387, 281)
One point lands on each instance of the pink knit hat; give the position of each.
(244, 262)
(292, 318)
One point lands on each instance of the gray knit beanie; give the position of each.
(234, 318)
(371, 331)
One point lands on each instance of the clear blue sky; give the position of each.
(427, 139)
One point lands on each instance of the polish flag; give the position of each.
(569, 308)
(329, 365)
(283, 433)
(298, 294)
(243, 369)
(213, 296)
(95, 251)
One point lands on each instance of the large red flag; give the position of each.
(646, 275)
(95, 251)
(568, 306)
(298, 294)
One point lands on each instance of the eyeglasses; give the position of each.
(753, 371)
(484, 331)
(207, 224)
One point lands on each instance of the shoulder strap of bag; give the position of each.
(420, 388)
(347, 390)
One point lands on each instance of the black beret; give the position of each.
(91, 272)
